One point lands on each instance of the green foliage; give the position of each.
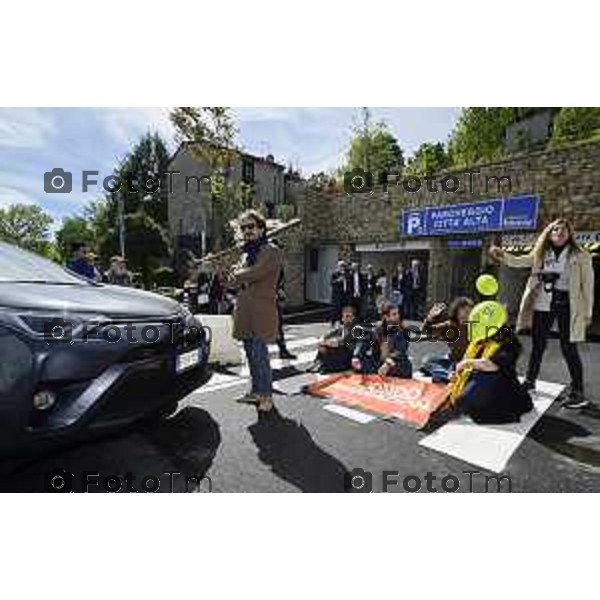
(428, 159)
(145, 210)
(145, 164)
(147, 244)
(576, 123)
(479, 135)
(27, 226)
(74, 229)
(373, 148)
(164, 276)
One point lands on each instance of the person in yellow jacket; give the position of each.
(485, 385)
(561, 287)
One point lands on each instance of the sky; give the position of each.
(34, 141)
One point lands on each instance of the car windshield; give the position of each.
(20, 266)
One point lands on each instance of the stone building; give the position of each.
(372, 228)
(190, 198)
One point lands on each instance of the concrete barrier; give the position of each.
(223, 348)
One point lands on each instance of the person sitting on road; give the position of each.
(337, 346)
(486, 386)
(452, 327)
(385, 350)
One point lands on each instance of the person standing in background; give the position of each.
(371, 294)
(380, 289)
(92, 259)
(284, 353)
(118, 274)
(414, 287)
(561, 287)
(396, 286)
(338, 292)
(358, 289)
(216, 294)
(80, 263)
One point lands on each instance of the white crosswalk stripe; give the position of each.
(289, 377)
(305, 350)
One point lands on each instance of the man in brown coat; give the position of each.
(255, 318)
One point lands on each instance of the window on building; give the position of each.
(247, 170)
(313, 259)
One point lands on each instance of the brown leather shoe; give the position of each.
(265, 403)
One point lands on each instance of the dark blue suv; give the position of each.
(79, 357)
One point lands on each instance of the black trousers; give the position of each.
(542, 324)
(280, 335)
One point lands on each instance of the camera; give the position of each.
(548, 279)
(58, 331)
(358, 181)
(59, 481)
(358, 480)
(58, 181)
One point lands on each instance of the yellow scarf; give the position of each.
(473, 350)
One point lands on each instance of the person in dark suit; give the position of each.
(371, 291)
(396, 286)
(281, 297)
(339, 292)
(413, 289)
(357, 289)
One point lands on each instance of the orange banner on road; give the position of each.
(410, 400)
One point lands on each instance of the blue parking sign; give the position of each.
(519, 212)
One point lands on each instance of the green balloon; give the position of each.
(486, 319)
(487, 285)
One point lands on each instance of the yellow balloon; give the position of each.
(486, 319)
(487, 285)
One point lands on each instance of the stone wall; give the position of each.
(566, 179)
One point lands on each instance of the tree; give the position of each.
(27, 226)
(576, 123)
(373, 148)
(74, 229)
(428, 159)
(146, 165)
(211, 132)
(143, 194)
(479, 135)
(147, 245)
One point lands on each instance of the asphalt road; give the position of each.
(213, 443)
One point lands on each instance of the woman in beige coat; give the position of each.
(561, 287)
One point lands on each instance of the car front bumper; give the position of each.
(99, 388)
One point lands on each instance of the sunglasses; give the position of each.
(558, 229)
(247, 226)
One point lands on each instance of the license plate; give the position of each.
(187, 360)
